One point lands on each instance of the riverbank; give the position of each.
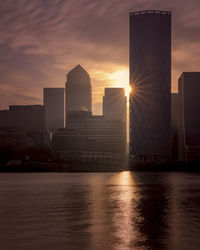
(55, 167)
(92, 167)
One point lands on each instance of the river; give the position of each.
(99, 211)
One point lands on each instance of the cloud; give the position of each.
(41, 40)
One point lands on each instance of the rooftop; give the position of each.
(191, 73)
(78, 69)
(150, 12)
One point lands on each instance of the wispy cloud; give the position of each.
(40, 40)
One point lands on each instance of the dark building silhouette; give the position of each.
(78, 91)
(22, 126)
(21, 138)
(174, 125)
(91, 138)
(54, 107)
(25, 117)
(150, 80)
(114, 104)
(12, 137)
(5, 119)
(189, 116)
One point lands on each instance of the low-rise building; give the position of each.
(24, 117)
(91, 138)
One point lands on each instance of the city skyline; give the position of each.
(91, 158)
(100, 35)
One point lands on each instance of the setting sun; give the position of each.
(120, 78)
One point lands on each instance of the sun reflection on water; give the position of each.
(126, 215)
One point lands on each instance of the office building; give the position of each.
(12, 137)
(114, 104)
(24, 117)
(150, 81)
(5, 119)
(189, 118)
(174, 125)
(78, 91)
(91, 138)
(54, 108)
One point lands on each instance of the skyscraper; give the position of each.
(54, 107)
(114, 104)
(189, 119)
(174, 125)
(150, 80)
(78, 91)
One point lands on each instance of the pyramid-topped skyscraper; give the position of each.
(78, 91)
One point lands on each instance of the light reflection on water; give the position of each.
(124, 217)
(99, 211)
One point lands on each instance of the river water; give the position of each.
(141, 210)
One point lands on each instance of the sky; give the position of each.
(41, 40)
